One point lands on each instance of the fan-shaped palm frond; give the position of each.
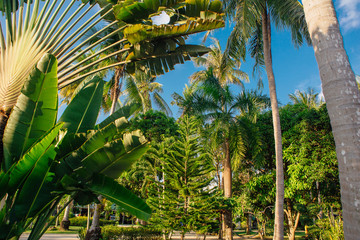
(51, 27)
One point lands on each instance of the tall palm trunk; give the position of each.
(343, 104)
(94, 232)
(116, 90)
(279, 202)
(65, 222)
(227, 191)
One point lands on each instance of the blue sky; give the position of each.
(295, 69)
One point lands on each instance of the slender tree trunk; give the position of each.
(115, 93)
(293, 221)
(227, 191)
(94, 232)
(88, 218)
(343, 104)
(57, 216)
(248, 224)
(65, 222)
(279, 202)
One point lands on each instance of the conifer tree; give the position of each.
(184, 190)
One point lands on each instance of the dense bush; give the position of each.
(81, 221)
(327, 228)
(129, 233)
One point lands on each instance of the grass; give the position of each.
(298, 234)
(72, 230)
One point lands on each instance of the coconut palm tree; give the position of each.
(142, 88)
(216, 104)
(342, 101)
(224, 68)
(253, 29)
(185, 101)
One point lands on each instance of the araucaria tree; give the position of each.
(181, 196)
(343, 104)
(253, 28)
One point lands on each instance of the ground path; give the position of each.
(176, 236)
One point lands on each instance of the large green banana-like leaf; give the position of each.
(159, 63)
(4, 179)
(203, 9)
(116, 193)
(19, 171)
(125, 111)
(96, 142)
(140, 32)
(130, 11)
(82, 112)
(35, 111)
(71, 142)
(114, 157)
(28, 201)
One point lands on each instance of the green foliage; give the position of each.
(166, 41)
(129, 233)
(182, 200)
(35, 112)
(81, 221)
(309, 151)
(328, 228)
(78, 161)
(155, 125)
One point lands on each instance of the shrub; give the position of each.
(327, 228)
(81, 221)
(82, 233)
(129, 233)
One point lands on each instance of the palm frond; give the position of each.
(161, 104)
(44, 29)
(290, 14)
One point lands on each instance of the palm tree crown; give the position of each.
(141, 88)
(225, 69)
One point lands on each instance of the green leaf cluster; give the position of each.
(183, 199)
(44, 160)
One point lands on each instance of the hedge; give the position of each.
(129, 233)
(81, 221)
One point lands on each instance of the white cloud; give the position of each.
(160, 19)
(349, 15)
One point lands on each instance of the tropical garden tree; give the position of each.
(253, 28)
(185, 101)
(224, 67)
(216, 104)
(180, 198)
(310, 160)
(142, 88)
(342, 100)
